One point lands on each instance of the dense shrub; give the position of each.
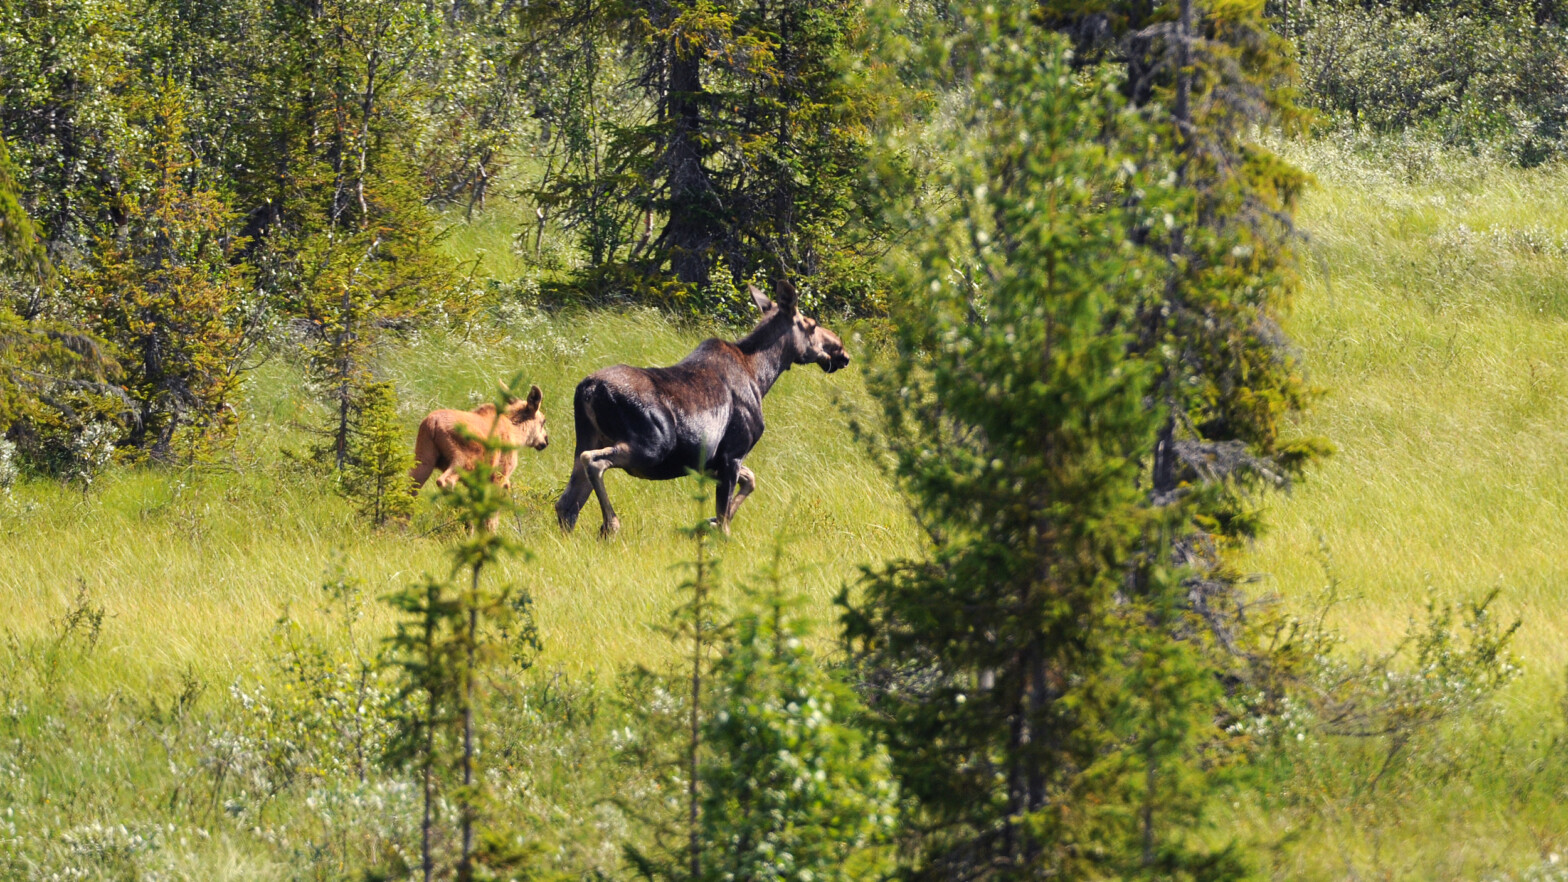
(1471, 73)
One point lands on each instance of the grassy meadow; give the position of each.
(193, 568)
(1435, 316)
(1433, 313)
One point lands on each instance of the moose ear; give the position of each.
(759, 298)
(535, 398)
(788, 296)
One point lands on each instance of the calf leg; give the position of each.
(420, 473)
(502, 479)
(595, 463)
(455, 460)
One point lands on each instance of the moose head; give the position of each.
(810, 343)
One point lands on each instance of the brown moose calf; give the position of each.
(442, 445)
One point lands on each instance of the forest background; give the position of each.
(1192, 516)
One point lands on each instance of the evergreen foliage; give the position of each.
(780, 782)
(746, 141)
(377, 473)
(164, 293)
(347, 240)
(1204, 76)
(793, 788)
(1046, 721)
(452, 633)
(19, 243)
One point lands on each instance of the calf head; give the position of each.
(528, 416)
(810, 342)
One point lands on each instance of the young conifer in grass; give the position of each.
(1045, 720)
(793, 789)
(452, 633)
(778, 782)
(697, 626)
(377, 472)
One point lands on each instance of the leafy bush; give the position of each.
(8, 465)
(92, 451)
(1471, 73)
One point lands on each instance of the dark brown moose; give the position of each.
(703, 413)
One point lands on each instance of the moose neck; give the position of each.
(768, 346)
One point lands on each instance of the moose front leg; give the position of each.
(745, 482)
(735, 484)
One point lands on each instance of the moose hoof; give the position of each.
(610, 528)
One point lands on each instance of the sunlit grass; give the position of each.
(1435, 314)
(193, 567)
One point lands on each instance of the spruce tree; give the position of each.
(794, 789)
(740, 146)
(1205, 78)
(1044, 720)
(377, 473)
(452, 632)
(779, 781)
(345, 239)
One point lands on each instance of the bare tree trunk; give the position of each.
(1164, 471)
(699, 587)
(427, 823)
(465, 867)
(687, 233)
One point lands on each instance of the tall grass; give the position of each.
(1433, 311)
(1435, 314)
(194, 566)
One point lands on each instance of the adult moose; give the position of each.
(703, 413)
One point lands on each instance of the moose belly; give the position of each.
(682, 461)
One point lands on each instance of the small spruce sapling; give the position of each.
(376, 474)
(793, 790)
(451, 634)
(779, 783)
(697, 627)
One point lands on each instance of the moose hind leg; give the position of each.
(573, 497)
(596, 463)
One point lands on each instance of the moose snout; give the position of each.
(835, 361)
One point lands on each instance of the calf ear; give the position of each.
(535, 398)
(759, 298)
